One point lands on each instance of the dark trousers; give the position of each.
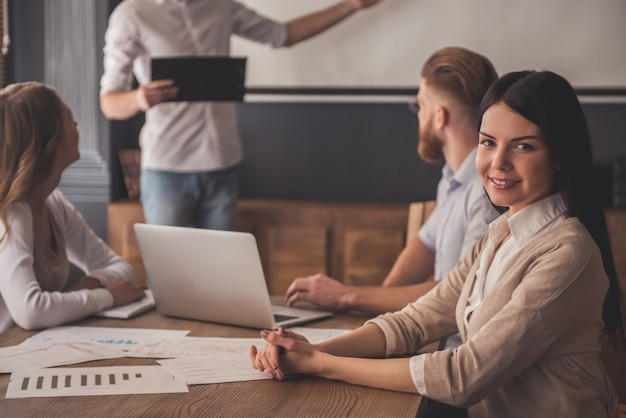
(436, 409)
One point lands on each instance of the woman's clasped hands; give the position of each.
(287, 353)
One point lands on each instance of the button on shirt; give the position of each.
(182, 136)
(461, 217)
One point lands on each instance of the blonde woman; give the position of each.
(40, 231)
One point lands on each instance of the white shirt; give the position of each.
(182, 136)
(32, 276)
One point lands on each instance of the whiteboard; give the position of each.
(385, 46)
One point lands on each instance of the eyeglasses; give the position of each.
(413, 106)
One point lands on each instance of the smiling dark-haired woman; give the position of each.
(530, 300)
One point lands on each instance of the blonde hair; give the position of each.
(462, 74)
(31, 129)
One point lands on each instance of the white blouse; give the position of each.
(524, 226)
(32, 275)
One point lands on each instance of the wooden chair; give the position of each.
(418, 213)
(130, 160)
(369, 250)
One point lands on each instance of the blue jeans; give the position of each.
(201, 199)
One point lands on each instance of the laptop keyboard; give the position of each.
(280, 318)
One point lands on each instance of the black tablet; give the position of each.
(216, 78)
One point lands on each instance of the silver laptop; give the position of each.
(213, 276)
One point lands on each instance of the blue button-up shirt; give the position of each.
(461, 217)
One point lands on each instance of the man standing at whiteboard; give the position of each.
(190, 150)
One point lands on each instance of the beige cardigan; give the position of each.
(531, 348)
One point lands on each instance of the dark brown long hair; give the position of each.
(549, 101)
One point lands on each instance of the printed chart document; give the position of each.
(87, 381)
(233, 367)
(201, 346)
(194, 360)
(191, 346)
(199, 360)
(49, 354)
(121, 339)
(130, 310)
(65, 345)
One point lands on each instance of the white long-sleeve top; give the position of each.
(32, 275)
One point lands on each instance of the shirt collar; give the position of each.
(526, 223)
(466, 171)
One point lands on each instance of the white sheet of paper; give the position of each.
(192, 346)
(113, 338)
(221, 368)
(218, 360)
(49, 354)
(200, 346)
(87, 381)
(316, 335)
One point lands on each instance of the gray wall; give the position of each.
(320, 151)
(362, 152)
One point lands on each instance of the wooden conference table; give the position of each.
(296, 397)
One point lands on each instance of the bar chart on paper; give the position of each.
(89, 381)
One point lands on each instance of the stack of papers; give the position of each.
(183, 361)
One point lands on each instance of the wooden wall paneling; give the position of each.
(352, 242)
(297, 245)
(121, 236)
(130, 247)
(291, 236)
(295, 252)
(370, 253)
(367, 239)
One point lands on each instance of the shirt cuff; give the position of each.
(110, 82)
(416, 366)
(104, 298)
(282, 38)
